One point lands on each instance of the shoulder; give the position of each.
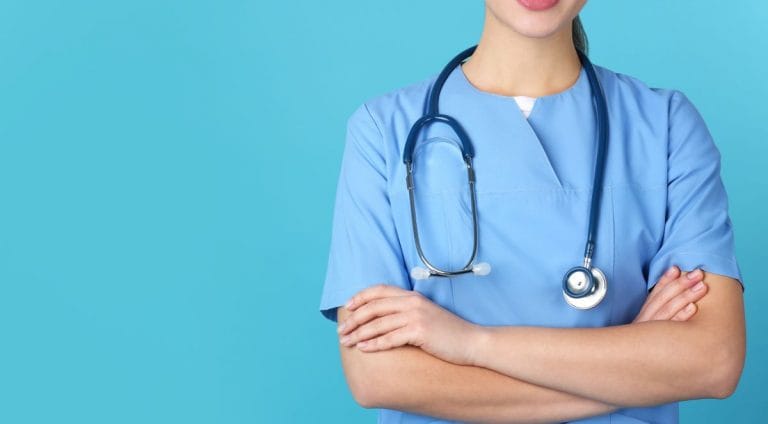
(661, 113)
(402, 103)
(374, 125)
(632, 94)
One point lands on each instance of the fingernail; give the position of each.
(344, 340)
(670, 271)
(361, 344)
(341, 327)
(693, 274)
(699, 286)
(689, 308)
(348, 304)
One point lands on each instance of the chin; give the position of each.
(535, 24)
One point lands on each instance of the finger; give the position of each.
(375, 328)
(375, 308)
(374, 292)
(669, 275)
(686, 313)
(672, 289)
(679, 302)
(399, 337)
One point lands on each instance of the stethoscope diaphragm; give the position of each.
(584, 288)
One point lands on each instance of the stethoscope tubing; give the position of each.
(432, 114)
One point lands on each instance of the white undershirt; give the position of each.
(525, 103)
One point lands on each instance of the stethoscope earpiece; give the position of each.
(419, 273)
(483, 268)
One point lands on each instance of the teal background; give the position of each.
(167, 173)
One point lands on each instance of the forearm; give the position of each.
(409, 379)
(638, 364)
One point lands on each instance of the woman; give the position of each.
(507, 346)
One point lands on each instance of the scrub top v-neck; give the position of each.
(663, 203)
(525, 103)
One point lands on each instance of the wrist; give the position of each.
(478, 343)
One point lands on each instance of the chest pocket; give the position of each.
(443, 213)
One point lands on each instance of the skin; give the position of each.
(525, 53)
(409, 378)
(401, 351)
(621, 365)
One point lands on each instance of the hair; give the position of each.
(579, 36)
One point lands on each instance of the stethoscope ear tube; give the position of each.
(467, 150)
(419, 273)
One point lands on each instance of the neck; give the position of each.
(508, 63)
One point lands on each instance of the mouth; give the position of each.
(538, 5)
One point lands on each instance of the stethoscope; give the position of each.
(584, 286)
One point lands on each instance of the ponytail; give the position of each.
(579, 36)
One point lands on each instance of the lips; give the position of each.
(538, 5)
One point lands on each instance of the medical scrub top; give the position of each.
(663, 203)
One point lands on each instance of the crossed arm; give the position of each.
(407, 378)
(420, 358)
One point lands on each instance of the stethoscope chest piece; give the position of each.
(584, 288)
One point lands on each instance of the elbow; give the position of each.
(365, 382)
(723, 392)
(725, 385)
(365, 373)
(725, 368)
(372, 392)
(364, 394)
(363, 399)
(374, 379)
(724, 388)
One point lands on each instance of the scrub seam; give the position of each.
(571, 189)
(447, 231)
(389, 193)
(613, 234)
(725, 258)
(450, 247)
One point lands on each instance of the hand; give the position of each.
(384, 316)
(673, 296)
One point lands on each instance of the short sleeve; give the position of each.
(698, 231)
(364, 248)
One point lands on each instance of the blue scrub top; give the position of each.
(663, 203)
